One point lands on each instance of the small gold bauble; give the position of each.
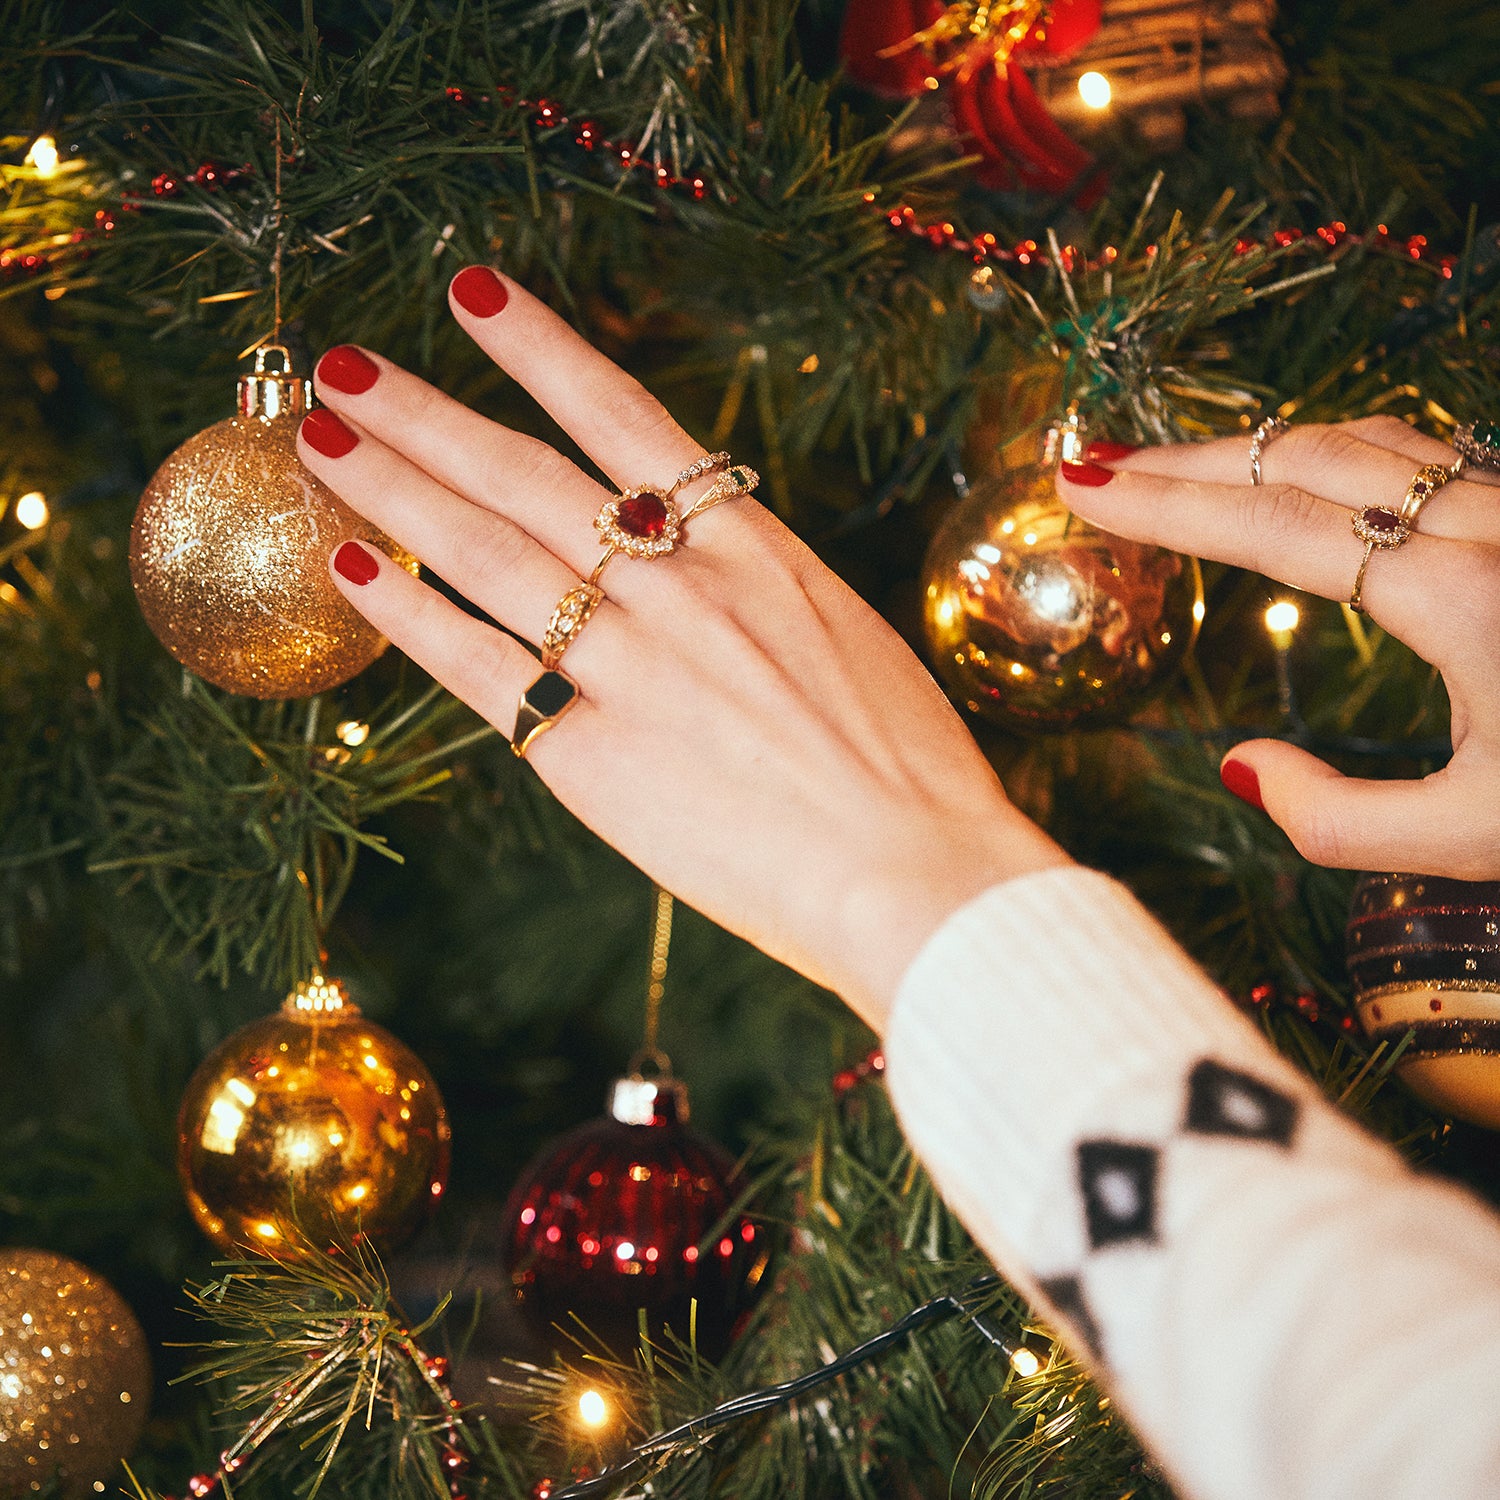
(229, 554)
(313, 1125)
(75, 1378)
(1424, 956)
(1040, 621)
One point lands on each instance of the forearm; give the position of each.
(1280, 1305)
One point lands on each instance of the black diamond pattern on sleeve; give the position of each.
(1119, 1191)
(1224, 1101)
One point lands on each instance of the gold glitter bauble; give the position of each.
(75, 1378)
(1040, 621)
(229, 554)
(313, 1124)
(1424, 957)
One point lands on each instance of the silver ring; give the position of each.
(1260, 439)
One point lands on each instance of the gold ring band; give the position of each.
(1380, 526)
(568, 618)
(548, 698)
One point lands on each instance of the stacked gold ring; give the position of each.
(1380, 526)
(568, 618)
(645, 522)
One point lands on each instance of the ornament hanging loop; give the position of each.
(267, 394)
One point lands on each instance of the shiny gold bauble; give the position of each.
(1040, 621)
(312, 1126)
(229, 554)
(75, 1378)
(1424, 956)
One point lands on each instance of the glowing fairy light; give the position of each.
(1281, 618)
(31, 510)
(593, 1409)
(1094, 90)
(353, 733)
(1024, 1362)
(43, 156)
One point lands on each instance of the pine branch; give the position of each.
(244, 819)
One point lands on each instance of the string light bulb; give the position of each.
(43, 156)
(31, 510)
(1025, 1362)
(593, 1409)
(1281, 621)
(353, 732)
(1095, 91)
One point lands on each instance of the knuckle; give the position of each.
(495, 547)
(1319, 448)
(1276, 516)
(1320, 836)
(527, 464)
(1383, 431)
(638, 411)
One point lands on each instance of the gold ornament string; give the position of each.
(661, 943)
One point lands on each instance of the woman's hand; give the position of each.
(1439, 592)
(748, 731)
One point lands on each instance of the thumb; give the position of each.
(1436, 825)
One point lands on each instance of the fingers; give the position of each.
(487, 557)
(507, 472)
(484, 667)
(1446, 824)
(610, 415)
(1368, 462)
(1304, 541)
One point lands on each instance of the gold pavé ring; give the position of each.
(1380, 526)
(568, 618)
(548, 698)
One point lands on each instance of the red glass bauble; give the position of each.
(627, 1214)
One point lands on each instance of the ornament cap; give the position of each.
(267, 393)
(320, 998)
(649, 1101)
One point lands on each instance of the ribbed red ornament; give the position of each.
(616, 1217)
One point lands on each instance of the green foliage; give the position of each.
(155, 834)
(243, 818)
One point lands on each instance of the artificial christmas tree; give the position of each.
(814, 283)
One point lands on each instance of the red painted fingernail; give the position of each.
(1103, 452)
(479, 291)
(324, 431)
(348, 369)
(1242, 781)
(1087, 474)
(356, 563)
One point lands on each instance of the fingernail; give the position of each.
(356, 563)
(324, 431)
(1242, 781)
(478, 290)
(348, 369)
(1087, 474)
(1103, 452)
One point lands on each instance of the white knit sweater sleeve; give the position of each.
(1284, 1310)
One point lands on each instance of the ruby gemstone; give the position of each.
(1381, 520)
(643, 515)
